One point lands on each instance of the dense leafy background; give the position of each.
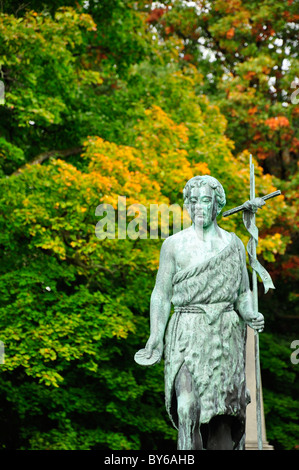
(127, 98)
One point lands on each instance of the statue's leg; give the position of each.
(188, 408)
(220, 436)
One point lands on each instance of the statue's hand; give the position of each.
(257, 323)
(254, 204)
(152, 344)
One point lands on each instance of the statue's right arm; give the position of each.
(161, 298)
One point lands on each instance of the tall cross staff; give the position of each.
(249, 209)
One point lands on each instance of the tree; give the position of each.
(247, 54)
(253, 48)
(97, 108)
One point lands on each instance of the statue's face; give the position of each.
(201, 202)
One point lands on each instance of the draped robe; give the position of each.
(207, 335)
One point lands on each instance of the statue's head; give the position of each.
(204, 198)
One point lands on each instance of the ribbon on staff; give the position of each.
(254, 263)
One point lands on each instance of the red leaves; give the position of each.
(294, 145)
(169, 29)
(290, 17)
(262, 31)
(155, 15)
(291, 266)
(188, 57)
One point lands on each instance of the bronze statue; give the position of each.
(203, 274)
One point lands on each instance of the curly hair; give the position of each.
(198, 181)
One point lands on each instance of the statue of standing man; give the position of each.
(203, 273)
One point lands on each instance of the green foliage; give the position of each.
(281, 400)
(10, 157)
(108, 106)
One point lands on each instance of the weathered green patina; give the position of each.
(203, 274)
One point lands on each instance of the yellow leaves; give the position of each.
(160, 156)
(230, 7)
(115, 170)
(238, 96)
(68, 14)
(50, 377)
(111, 158)
(106, 163)
(48, 354)
(54, 244)
(132, 186)
(164, 127)
(272, 245)
(111, 199)
(270, 242)
(97, 182)
(78, 243)
(90, 77)
(26, 202)
(88, 22)
(120, 332)
(201, 169)
(67, 175)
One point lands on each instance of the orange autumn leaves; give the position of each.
(277, 122)
(151, 171)
(156, 169)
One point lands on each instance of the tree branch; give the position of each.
(46, 155)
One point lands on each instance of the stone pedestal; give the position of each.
(251, 423)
